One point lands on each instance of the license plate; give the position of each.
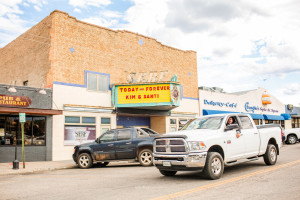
(167, 164)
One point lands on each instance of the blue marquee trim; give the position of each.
(68, 84)
(191, 98)
(85, 80)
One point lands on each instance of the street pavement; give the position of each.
(35, 167)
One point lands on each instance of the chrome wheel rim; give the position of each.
(292, 139)
(146, 158)
(216, 166)
(84, 161)
(273, 154)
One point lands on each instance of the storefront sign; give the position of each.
(14, 101)
(75, 135)
(152, 76)
(144, 94)
(250, 108)
(220, 104)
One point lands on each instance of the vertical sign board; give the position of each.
(22, 119)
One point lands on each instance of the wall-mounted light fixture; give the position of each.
(41, 90)
(12, 88)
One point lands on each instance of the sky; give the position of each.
(241, 44)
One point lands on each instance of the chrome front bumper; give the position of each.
(192, 160)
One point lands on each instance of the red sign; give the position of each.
(14, 101)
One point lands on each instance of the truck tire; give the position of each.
(270, 156)
(291, 139)
(167, 173)
(145, 157)
(214, 166)
(84, 160)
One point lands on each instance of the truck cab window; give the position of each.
(246, 122)
(124, 134)
(108, 137)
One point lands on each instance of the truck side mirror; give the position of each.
(98, 140)
(232, 127)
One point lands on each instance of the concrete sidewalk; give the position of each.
(35, 167)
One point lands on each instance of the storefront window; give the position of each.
(105, 120)
(295, 122)
(28, 131)
(105, 124)
(79, 130)
(72, 119)
(2, 130)
(88, 120)
(11, 131)
(38, 131)
(172, 121)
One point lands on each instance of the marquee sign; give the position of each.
(141, 95)
(14, 101)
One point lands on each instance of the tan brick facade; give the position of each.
(30, 57)
(27, 57)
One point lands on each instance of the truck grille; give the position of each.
(170, 145)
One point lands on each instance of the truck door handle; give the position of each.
(128, 142)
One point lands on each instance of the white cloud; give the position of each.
(11, 20)
(37, 8)
(106, 18)
(111, 14)
(101, 21)
(11, 6)
(77, 10)
(12, 24)
(292, 89)
(86, 3)
(223, 33)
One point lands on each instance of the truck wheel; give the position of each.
(102, 164)
(145, 157)
(168, 173)
(214, 166)
(270, 156)
(291, 139)
(84, 160)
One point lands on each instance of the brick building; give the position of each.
(102, 79)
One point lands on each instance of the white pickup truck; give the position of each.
(208, 143)
(292, 135)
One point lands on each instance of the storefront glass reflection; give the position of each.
(11, 134)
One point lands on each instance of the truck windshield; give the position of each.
(204, 123)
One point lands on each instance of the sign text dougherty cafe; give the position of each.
(14, 101)
(144, 94)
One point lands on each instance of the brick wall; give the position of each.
(27, 57)
(114, 52)
(42, 55)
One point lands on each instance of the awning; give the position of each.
(212, 112)
(273, 117)
(33, 111)
(256, 116)
(286, 116)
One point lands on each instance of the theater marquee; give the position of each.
(141, 95)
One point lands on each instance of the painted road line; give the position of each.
(209, 186)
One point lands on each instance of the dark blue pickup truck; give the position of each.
(117, 144)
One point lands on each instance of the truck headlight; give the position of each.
(196, 146)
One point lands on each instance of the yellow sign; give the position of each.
(144, 94)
